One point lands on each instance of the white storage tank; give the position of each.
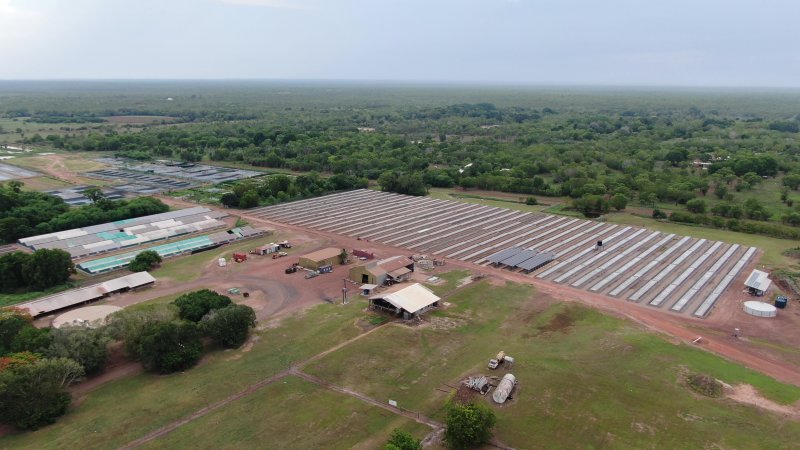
(760, 309)
(222, 262)
(504, 389)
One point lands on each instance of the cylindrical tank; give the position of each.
(504, 389)
(781, 302)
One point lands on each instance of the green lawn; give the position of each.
(291, 414)
(586, 380)
(127, 409)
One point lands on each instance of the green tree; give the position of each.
(86, 346)
(94, 194)
(792, 181)
(194, 305)
(229, 199)
(468, 425)
(721, 191)
(127, 325)
(12, 321)
(33, 395)
(249, 200)
(343, 256)
(144, 261)
(47, 268)
(591, 205)
(31, 339)
(402, 440)
(229, 326)
(697, 205)
(166, 347)
(619, 202)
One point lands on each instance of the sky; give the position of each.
(521, 42)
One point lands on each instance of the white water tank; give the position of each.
(760, 309)
(504, 389)
(222, 262)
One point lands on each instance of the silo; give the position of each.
(504, 389)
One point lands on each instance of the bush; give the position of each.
(169, 347)
(194, 305)
(697, 205)
(531, 201)
(229, 326)
(468, 425)
(658, 214)
(400, 440)
(33, 395)
(705, 385)
(127, 325)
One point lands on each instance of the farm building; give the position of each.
(267, 249)
(758, 282)
(325, 257)
(46, 305)
(410, 301)
(392, 270)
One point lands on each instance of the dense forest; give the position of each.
(708, 151)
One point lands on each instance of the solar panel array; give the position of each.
(676, 274)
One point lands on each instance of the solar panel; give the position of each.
(503, 254)
(537, 261)
(520, 257)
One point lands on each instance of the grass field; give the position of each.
(586, 380)
(126, 409)
(291, 414)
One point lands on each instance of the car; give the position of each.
(493, 363)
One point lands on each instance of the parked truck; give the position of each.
(495, 363)
(240, 257)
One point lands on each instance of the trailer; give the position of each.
(240, 257)
(326, 269)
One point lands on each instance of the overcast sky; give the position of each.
(586, 42)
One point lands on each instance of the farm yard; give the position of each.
(679, 275)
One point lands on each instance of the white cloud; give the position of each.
(280, 4)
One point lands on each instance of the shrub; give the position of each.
(169, 347)
(705, 385)
(468, 425)
(229, 326)
(194, 305)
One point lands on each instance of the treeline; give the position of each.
(281, 188)
(40, 270)
(37, 365)
(28, 213)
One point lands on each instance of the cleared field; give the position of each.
(586, 380)
(677, 274)
(291, 414)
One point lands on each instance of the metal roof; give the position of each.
(503, 254)
(411, 298)
(758, 280)
(323, 254)
(75, 296)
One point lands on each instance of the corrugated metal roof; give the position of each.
(323, 254)
(75, 296)
(758, 280)
(411, 298)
